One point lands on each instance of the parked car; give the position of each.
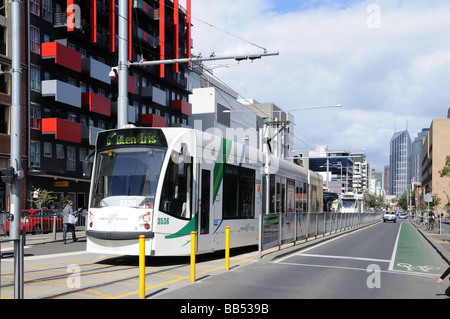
(38, 222)
(389, 216)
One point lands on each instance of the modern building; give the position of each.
(71, 98)
(435, 149)
(400, 163)
(386, 179)
(336, 167)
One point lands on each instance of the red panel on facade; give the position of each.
(153, 119)
(181, 105)
(112, 25)
(71, 15)
(131, 84)
(162, 37)
(63, 55)
(130, 35)
(93, 21)
(176, 27)
(97, 103)
(64, 130)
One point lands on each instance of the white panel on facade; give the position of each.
(96, 69)
(63, 92)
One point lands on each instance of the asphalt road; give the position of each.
(386, 260)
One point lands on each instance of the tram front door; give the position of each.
(204, 226)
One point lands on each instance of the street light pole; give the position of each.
(122, 70)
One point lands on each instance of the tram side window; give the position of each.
(176, 194)
(238, 192)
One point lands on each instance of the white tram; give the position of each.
(164, 183)
(353, 203)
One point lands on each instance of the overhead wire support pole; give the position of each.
(237, 57)
(16, 142)
(122, 69)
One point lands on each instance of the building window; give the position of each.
(35, 40)
(35, 78)
(47, 149)
(47, 12)
(35, 116)
(35, 154)
(59, 151)
(35, 6)
(71, 158)
(83, 154)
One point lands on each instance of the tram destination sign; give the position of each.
(131, 137)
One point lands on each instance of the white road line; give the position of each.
(394, 252)
(346, 257)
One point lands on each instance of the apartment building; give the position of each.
(70, 95)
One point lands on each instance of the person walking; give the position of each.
(69, 220)
(445, 274)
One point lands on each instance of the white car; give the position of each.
(389, 216)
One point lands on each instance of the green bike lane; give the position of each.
(413, 254)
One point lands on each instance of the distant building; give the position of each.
(400, 163)
(416, 160)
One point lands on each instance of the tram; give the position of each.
(164, 183)
(353, 203)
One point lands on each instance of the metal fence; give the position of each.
(40, 222)
(280, 229)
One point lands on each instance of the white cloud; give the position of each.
(384, 77)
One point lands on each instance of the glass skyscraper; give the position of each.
(400, 163)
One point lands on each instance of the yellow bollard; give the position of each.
(193, 256)
(227, 248)
(141, 267)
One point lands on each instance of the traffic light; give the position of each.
(8, 175)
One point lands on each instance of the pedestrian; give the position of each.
(445, 274)
(69, 220)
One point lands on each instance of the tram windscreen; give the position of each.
(127, 177)
(348, 203)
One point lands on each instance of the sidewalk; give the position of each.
(441, 242)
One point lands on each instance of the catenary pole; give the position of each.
(122, 70)
(16, 154)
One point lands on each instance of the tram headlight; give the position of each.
(147, 226)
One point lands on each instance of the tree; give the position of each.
(43, 198)
(445, 171)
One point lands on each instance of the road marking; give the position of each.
(346, 257)
(396, 272)
(394, 252)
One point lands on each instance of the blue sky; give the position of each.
(386, 74)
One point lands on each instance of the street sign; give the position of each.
(428, 197)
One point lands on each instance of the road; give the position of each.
(386, 260)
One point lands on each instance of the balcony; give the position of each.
(63, 92)
(182, 106)
(96, 69)
(63, 55)
(153, 120)
(63, 130)
(97, 103)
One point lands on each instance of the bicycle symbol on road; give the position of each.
(425, 268)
